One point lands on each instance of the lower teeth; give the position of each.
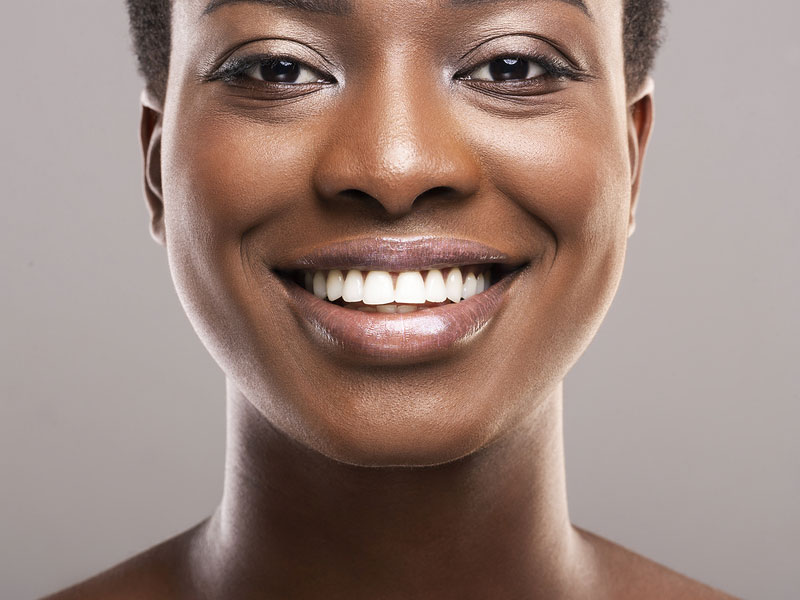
(387, 308)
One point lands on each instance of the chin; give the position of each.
(401, 442)
(409, 452)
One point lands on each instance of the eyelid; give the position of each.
(230, 65)
(506, 38)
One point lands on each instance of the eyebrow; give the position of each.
(329, 7)
(579, 3)
(343, 7)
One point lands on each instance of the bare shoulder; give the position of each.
(155, 574)
(630, 575)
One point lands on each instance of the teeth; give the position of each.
(378, 288)
(353, 289)
(318, 285)
(410, 288)
(470, 285)
(381, 291)
(435, 290)
(454, 285)
(334, 285)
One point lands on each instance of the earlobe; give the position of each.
(640, 126)
(150, 132)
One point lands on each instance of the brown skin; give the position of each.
(443, 479)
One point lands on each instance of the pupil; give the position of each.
(509, 68)
(280, 70)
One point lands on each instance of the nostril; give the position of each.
(440, 190)
(357, 194)
(393, 202)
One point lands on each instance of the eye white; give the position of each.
(483, 72)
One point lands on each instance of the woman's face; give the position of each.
(388, 129)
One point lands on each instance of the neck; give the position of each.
(293, 523)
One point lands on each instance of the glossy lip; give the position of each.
(400, 254)
(393, 339)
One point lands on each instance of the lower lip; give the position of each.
(397, 338)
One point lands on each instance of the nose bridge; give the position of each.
(397, 141)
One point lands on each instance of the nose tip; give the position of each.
(396, 158)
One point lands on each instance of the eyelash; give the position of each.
(553, 67)
(235, 71)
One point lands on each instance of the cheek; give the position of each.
(223, 179)
(236, 191)
(569, 170)
(230, 174)
(226, 179)
(568, 175)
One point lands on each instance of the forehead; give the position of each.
(346, 7)
(596, 10)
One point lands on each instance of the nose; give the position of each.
(394, 146)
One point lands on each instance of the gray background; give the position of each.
(681, 419)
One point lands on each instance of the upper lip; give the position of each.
(400, 254)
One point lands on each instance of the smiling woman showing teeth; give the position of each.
(395, 225)
(454, 287)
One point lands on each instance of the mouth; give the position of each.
(397, 301)
(398, 292)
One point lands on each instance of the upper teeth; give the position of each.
(407, 287)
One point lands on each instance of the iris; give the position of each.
(509, 68)
(280, 70)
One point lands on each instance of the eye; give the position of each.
(281, 69)
(507, 68)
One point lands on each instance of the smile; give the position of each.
(397, 301)
(399, 292)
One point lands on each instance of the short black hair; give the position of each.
(150, 29)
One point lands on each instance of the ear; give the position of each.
(640, 125)
(150, 133)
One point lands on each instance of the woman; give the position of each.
(396, 226)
